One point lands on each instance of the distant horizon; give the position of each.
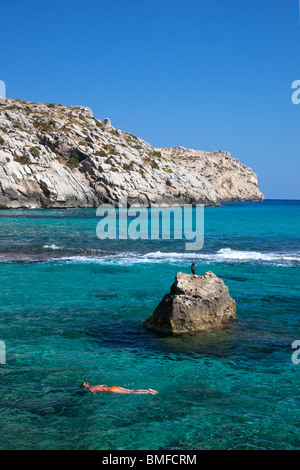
(264, 200)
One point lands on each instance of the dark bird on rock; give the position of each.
(193, 268)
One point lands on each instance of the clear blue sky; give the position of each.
(204, 74)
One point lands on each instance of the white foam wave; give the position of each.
(52, 247)
(225, 255)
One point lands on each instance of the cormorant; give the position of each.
(193, 268)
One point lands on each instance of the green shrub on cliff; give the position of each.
(23, 159)
(100, 153)
(35, 151)
(73, 163)
(47, 126)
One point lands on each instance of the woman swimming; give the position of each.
(115, 389)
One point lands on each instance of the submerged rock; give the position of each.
(195, 303)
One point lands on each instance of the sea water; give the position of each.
(72, 306)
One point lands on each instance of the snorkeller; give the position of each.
(115, 389)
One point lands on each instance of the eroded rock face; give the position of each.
(57, 156)
(195, 303)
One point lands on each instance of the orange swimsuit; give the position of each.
(113, 388)
(103, 388)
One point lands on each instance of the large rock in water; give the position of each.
(195, 303)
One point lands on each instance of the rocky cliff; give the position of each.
(57, 156)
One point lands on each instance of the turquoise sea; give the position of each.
(72, 306)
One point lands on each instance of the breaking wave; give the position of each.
(224, 255)
(229, 255)
(52, 247)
